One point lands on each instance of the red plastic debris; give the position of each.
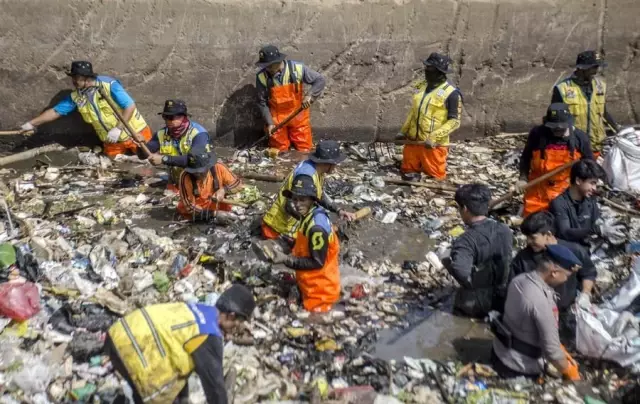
(19, 301)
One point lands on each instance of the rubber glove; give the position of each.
(114, 135)
(27, 127)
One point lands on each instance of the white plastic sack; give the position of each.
(593, 340)
(628, 292)
(622, 163)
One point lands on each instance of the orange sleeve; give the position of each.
(227, 179)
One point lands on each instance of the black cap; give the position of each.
(558, 116)
(440, 62)
(81, 68)
(590, 58)
(328, 152)
(200, 160)
(563, 257)
(269, 55)
(174, 107)
(238, 300)
(302, 186)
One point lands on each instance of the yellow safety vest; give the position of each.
(179, 147)
(96, 111)
(286, 77)
(588, 116)
(155, 345)
(428, 111)
(277, 217)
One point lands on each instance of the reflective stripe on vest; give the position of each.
(430, 110)
(178, 147)
(98, 113)
(320, 288)
(277, 217)
(151, 344)
(587, 114)
(292, 74)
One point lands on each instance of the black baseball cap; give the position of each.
(238, 300)
(174, 107)
(558, 116)
(590, 58)
(440, 62)
(81, 68)
(302, 186)
(563, 257)
(200, 160)
(269, 55)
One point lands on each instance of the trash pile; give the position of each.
(85, 241)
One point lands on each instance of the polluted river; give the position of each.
(101, 238)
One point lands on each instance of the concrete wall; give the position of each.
(507, 55)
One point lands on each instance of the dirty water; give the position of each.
(438, 335)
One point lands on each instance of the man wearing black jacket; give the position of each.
(479, 258)
(576, 210)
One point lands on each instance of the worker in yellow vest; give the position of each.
(585, 94)
(96, 111)
(156, 348)
(282, 217)
(435, 114)
(171, 145)
(316, 250)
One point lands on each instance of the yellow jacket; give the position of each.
(588, 116)
(155, 344)
(277, 217)
(98, 113)
(428, 116)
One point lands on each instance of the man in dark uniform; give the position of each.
(548, 147)
(528, 329)
(479, 258)
(576, 210)
(540, 231)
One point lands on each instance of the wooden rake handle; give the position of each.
(132, 133)
(533, 183)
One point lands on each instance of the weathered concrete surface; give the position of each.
(507, 54)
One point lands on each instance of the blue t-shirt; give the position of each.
(118, 93)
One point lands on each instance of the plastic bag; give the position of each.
(19, 301)
(594, 338)
(35, 375)
(628, 292)
(622, 163)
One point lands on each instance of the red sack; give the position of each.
(19, 301)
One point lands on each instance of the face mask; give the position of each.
(433, 76)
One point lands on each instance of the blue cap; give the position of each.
(563, 257)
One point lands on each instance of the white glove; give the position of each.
(27, 127)
(114, 135)
(583, 300)
(613, 231)
(519, 186)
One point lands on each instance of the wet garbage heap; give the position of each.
(84, 243)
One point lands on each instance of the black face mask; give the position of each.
(433, 77)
